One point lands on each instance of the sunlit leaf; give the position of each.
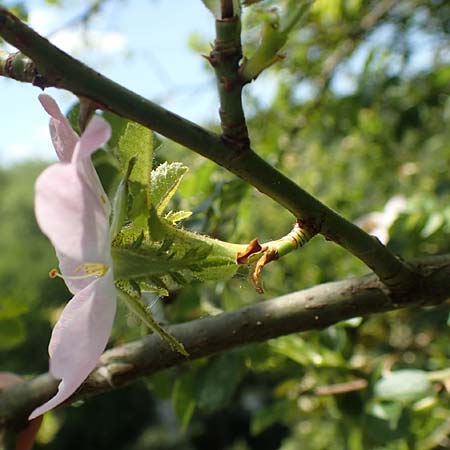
(404, 386)
(165, 181)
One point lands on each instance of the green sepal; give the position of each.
(137, 307)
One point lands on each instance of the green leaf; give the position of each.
(11, 308)
(137, 142)
(12, 333)
(161, 384)
(404, 386)
(183, 400)
(177, 216)
(118, 127)
(165, 181)
(304, 353)
(433, 223)
(72, 116)
(268, 416)
(382, 431)
(217, 382)
(213, 6)
(120, 202)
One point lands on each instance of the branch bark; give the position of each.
(313, 308)
(224, 58)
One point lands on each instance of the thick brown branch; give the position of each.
(313, 308)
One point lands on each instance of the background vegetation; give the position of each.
(386, 134)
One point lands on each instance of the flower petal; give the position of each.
(63, 137)
(71, 215)
(79, 338)
(96, 134)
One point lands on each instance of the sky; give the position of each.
(140, 44)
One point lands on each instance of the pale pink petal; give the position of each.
(94, 136)
(71, 215)
(79, 338)
(63, 137)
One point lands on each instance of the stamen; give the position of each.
(87, 270)
(96, 270)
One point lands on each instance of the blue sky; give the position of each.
(140, 44)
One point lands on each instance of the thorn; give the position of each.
(210, 59)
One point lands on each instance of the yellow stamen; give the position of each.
(96, 270)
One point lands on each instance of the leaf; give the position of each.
(217, 382)
(11, 308)
(433, 223)
(213, 6)
(304, 353)
(72, 116)
(165, 181)
(12, 333)
(118, 127)
(171, 250)
(266, 417)
(177, 216)
(137, 142)
(120, 202)
(404, 386)
(161, 384)
(183, 400)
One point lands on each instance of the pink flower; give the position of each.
(73, 210)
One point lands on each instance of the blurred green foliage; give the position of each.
(387, 134)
